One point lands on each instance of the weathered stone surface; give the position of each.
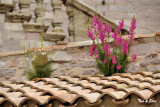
(137, 2)
(47, 43)
(60, 72)
(108, 1)
(86, 64)
(144, 16)
(19, 74)
(47, 1)
(133, 67)
(1, 42)
(48, 7)
(14, 26)
(80, 31)
(151, 56)
(11, 79)
(146, 63)
(32, 6)
(121, 8)
(16, 35)
(74, 71)
(143, 49)
(7, 1)
(89, 72)
(38, 27)
(151, 2)
(153, 68)
(147, 40)
(24, 78)
(48, 15)
(7, 72)
(55, 66)
(68, 65)
(123, 2)
(12, 63)
(33, 36)
(80, 57)
(33, 1)
(2, 18)
(2, 64)
(18, 17)
(115, 16)
(11, 45)
(26, 43)
(7, 77)
(158, 39)
(62, 56)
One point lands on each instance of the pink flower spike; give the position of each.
(118, 67)
(114, 61)
(125, 47)
(93, 50)
(107, 49)
(134, 57)
(121, 25)
(105, 60)
(90, 34)
(108, 29)
(97, 56)
(113, 57)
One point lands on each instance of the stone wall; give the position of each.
(74, 59)
(13, 37)
(146, 12)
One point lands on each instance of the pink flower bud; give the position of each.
(105, 60)
(97, 56)
(114, 61)
(118, 67)
(134, 57)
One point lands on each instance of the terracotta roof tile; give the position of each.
(116, 95)
(143, 94)
(15, 101)
(86, 90)
(4, 90)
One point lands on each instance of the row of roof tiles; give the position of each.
(69, 91)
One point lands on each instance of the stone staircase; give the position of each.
(79, 15)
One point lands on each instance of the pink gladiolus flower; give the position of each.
(105, 60)
(108, 29)
(102, 36)
(90, 34)
(118, 41)
(113, 57)
(125, 47)
(95, 21)
(132, 28)
(106, 49)
(114, 61)
(121, 25)
(97, 56)
(115, 35)
(118, 67)
(100, 26)
(134, 57)
(93, 50)
(133, 25)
